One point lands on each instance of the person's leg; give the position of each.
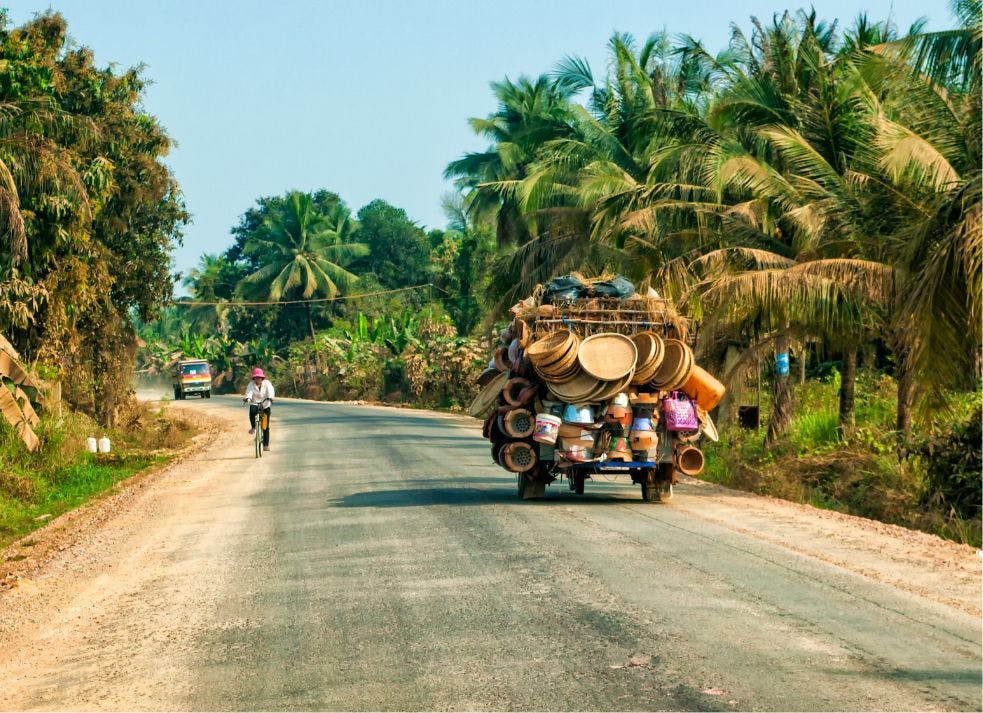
(266, 431)
(253, 410)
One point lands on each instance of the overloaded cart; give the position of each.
(593, 378)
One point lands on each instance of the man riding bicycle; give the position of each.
(259, 395)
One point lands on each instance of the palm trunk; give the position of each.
(906, 400)
(848, 383)
(734, 395)
(802, 366)
(781, 411)
(310, 325)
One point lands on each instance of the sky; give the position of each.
(368, 99)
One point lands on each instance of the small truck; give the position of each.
(192, 376)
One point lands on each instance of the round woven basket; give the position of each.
(518, 456)
(564, 378)
(607, 356)
(651, 351)
(518, 423)
(484, 402)
(577, 390)
(562, 363)
(548, 349)
(675, 366)
(606, 389)
(685, 369)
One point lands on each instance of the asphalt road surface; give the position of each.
(377, 560)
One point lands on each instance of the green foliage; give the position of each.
(937, 489)
(62, 475)
(397, 248)
(89, 214)
(953, 462)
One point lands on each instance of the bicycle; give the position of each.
(262, 424)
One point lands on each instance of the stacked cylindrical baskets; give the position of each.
(595, 380)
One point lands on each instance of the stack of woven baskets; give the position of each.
(562, 390)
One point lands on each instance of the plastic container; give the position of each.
(579, 414)
(547, 428)
(104, 445)
(642, 424)
(91, 444)
(703, 388)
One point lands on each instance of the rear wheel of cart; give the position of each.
(531, 484)
(666, 476)
(577, 483)
(651, 491)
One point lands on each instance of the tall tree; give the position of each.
(396, 246)
(100, 210)
(302, 253)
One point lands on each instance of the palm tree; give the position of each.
(529, 114)
(208, 283)
(924, 183)
(950, 58)
(302, 253)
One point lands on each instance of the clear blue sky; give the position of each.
(367, 99)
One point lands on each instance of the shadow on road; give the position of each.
(423, 496)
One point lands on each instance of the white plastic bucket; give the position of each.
(547, 428)
(104, 445)
(91, 445)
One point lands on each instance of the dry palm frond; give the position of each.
(873, 281)
(751, 212)
(907, 156)
(739, 258)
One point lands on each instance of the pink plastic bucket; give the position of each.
(547, 428)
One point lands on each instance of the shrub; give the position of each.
(953, 461)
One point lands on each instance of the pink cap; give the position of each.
(258, 372)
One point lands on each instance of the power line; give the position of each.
(230, 303)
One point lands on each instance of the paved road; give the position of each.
(377, 560)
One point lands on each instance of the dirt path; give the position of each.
(376, 561)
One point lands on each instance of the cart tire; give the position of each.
(578, 483)
(650, 486)
(530, 485)
(666, 475)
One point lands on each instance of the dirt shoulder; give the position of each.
(915, 562)
(26, 559)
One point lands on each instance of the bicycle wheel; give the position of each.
(258, 439)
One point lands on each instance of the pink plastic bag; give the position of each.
(678, 413)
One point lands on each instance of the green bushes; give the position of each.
(62, 474)
(953, 464)
(936, 489)
(414, 360)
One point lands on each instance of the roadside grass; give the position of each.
(860, 474)
(63, 475)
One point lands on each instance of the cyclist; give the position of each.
(259, 395)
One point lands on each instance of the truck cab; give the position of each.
(192, 376)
